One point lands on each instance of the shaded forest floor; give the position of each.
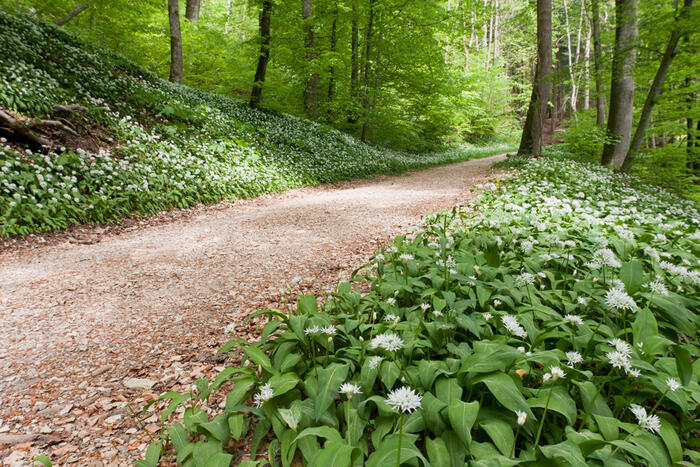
(100, 322)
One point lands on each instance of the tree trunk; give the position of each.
(368, 65)
(597, 65)
(311, 89)
(192, 10)
(331, 70)
(228, 16)
(587, 71)
(531, 140)
(175, 42)
(570, 59)
(264, 57)
(354, 60)
(657, 85)
(622, 84)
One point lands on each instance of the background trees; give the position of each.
(423, 73)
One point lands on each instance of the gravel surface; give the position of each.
(96, 322)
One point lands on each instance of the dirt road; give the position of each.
(90, 327)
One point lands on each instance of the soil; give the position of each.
(99, 321)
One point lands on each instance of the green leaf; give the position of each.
(567, 453)
(239, 392)
(238, 424)
(683, 364)
(331, 434)
(307, 304)
(329, 381)
(432, 407)
(632, 275)
(644, 326)
(219, 459)
(292, 415)
(44, 460)
(560, 402)
(448, 389)
(608, 427)
(462, 416)
(257, 356)
(673, 443)
(490, 356)
(505, 391)
(334, 454)
(387, 453)
(500, 433)
(438, 454)
(283, 383)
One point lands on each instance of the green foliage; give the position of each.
(171, 146)
(583, 138)
(537, 331)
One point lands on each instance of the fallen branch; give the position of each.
(58, 108)
(26, 127)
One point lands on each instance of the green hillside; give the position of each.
(141, 144)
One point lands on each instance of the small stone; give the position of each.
(139, 383)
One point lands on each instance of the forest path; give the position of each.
(88, 327)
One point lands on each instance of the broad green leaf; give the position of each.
(632, 275)
(683, 364)
(292, 415)
(283, 383)
(560, 401)
(490, 356)
(178, 435)
(432, 408)
(331, 434)
(44, 460)
(448, 389)
(462, 416)
(438, 454)
(334, 454)
(387, 453)
(500, 433)
(239, 392)
(257, 356)
(219, 460)
(644, 326)
(307, 304)
(608, 427)
(505, 391)
(329, 381)
(567, 453)
(673, 443)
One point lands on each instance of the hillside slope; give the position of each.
(141, 144)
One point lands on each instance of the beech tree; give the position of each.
(311, 90)
(531, 139)
(264, 57)
(175, 42)
(620, 115)
(192, 10)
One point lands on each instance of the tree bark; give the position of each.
(622, 84)
(192, 10)
(657, 85)
(368, 66)
(311, 89)
(531, 140)
(72, 14)
(354, 60)
(597, 65)
(175, 42)
(334, 42)
(228, 16)
(264, 57)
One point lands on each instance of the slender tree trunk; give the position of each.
(175, 42)
(587, 71)
(657, 85)
(368, 65)
(570, 59)
(531, 140)
(354, 61)
(489, 39)
(264, 57)
(228, 16)
(72, 14)
(495, 32)
(331, 70)
(622, 84)
(597, 65)
(192, 10)
(311, 90)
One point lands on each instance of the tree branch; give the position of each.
(76, 11)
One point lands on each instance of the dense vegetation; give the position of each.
(547, 322)
(160, 145)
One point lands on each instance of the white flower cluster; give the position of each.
(388, 341)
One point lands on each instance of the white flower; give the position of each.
(390, 342)
(648, 422)
(230, 328)
(330, 330)
(557, 373)
(513, 326)
(391, 301)
(374, 362)
(573, 358)
(349, 389)
(391, 317)
(488, 316)
(405, 257)
(437, 313)
(425, 306)
(546, 377)
(633, 372)
(657, 287)
(312, 330)
(618, 299)
(672, 384)
(496, 302)
(522, 417)
(618, 360)
(524, 279)
(606, 257)
(404, 400)
(573, 319)
(266, 393)
(621, 346)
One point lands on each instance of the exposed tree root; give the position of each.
(32, 129)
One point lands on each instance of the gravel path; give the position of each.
(92, 329)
